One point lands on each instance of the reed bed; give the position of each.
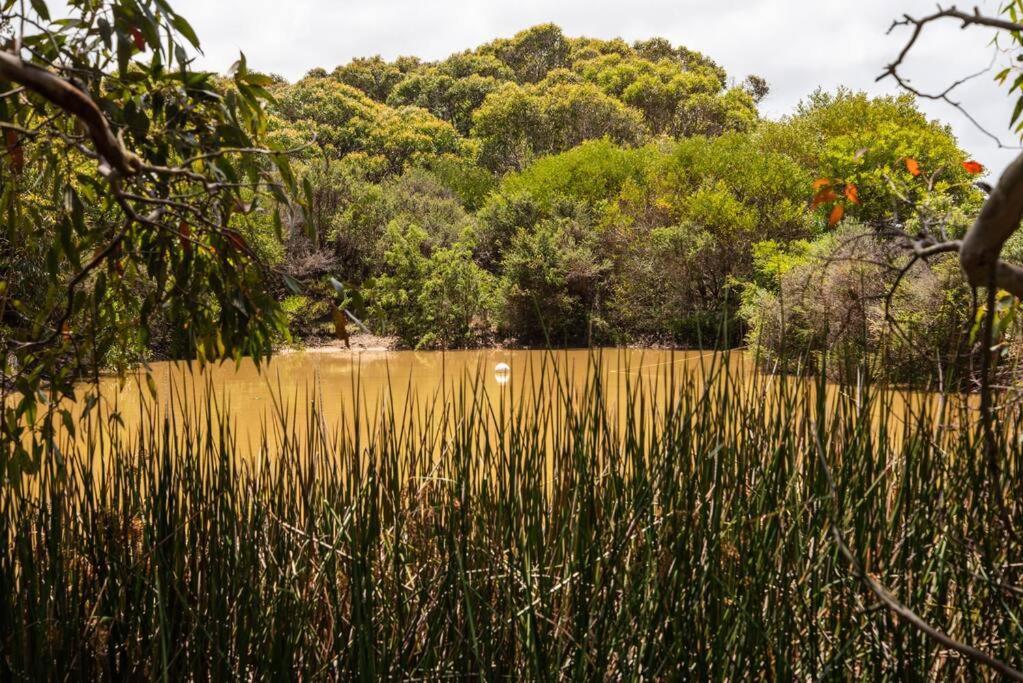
(554, 536)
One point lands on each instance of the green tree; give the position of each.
(343, 120)
(551, 284)
(532, 53)
(374, 76)
(432, 297)
(516, 124)
(866, 141)
(125, 180)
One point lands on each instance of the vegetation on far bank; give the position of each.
(536, 190)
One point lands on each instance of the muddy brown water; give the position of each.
(345, 388)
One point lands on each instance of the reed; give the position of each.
(680, 528)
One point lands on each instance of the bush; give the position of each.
(432, 297)
(552, 283)
(838, 300)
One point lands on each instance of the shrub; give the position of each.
(432, 297)
(839, 298)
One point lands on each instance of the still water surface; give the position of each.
(345, 388)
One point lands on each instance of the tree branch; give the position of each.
(999, 218)
(66, 96)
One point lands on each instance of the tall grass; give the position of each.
(553, 536)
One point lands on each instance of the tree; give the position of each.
(447, 97)
(342, 120)
(532, 53)
(552, 283)
(374, 76)
(516, 124)
(431, 297)
(124, 176)
(866, 141)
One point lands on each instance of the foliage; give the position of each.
(127, 179)
(540, 92)
(516, 124)
(342, 120)
(431, 297)
(842, 298)
(582, 190)
(552, 279)
(867, 141)
(374, 76)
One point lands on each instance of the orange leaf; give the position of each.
(913, 166)
(973, 167)
(821, 183)
(852, 194)
(140, 40)
(836, 215)
(824, 196)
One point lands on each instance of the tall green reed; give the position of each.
(670, 527)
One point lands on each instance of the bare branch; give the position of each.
(967, 19)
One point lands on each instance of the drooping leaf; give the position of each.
(15, 151)
(185, 236)
(138, 38)
(836, 215)
(236, 240)
(184, 28)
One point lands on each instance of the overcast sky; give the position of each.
(797, 45)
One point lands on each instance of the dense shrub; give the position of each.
(838, 296)
(432, 297)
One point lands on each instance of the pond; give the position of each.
(340, 389)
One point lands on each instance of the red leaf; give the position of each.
(824, 197)
(913, 166)
(836, 215)
(185, 236)
(14, 150)
(140, 40)
(973, 167)
(852, 194)
(821, 183)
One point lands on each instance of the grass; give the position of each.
(551, 537)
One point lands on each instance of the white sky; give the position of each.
(796, 45)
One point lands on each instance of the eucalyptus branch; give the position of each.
(69, 98)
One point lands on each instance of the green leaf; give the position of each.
(182, 26)
(40, 7)
(292, 284)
